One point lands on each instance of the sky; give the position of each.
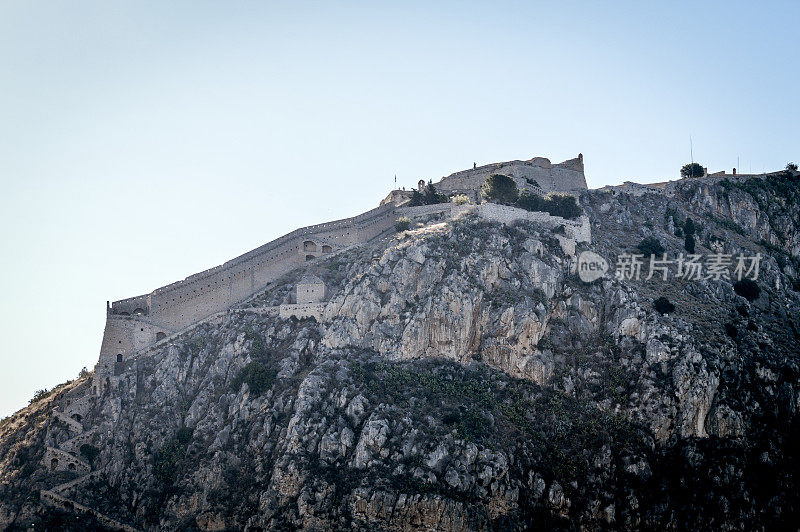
(141, 142)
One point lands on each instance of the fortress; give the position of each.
(137, 323)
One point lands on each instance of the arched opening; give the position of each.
(326, 249)
(77, 417)
(53, 464)
(139, 312)
(309, 257)
(160, 336)
(124, 313)
(308, 245)
(71, 467)
(119, 357)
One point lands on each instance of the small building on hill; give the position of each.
(310, 289)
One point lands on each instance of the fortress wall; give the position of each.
(132, 304)
(124, 335)
(579, 230)
(180, 304)
(375, 222)
(304, 310)
(563, 177)
(424, 210)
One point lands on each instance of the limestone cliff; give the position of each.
(461, 378)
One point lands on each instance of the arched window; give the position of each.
(160, 336)
(308, 245)
(309, 257)
(71, 467)
(139, 312)
(326, 249)
(119, 357)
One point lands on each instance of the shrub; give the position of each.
(500, 188)
(84, 373)
(663, 305)
(402, 224)
(460, 199)
(166, 459)
(792, 167)
(650, 246)
(689, 243)
(563, 205)
(39, 395)
(259, 378)
(428, 196)
(730, 330)
(747, 288)
(692, 170)
(89, 452)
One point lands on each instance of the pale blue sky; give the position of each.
(141, 142)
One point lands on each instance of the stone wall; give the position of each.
(58, 460)
(579, 230)
(424, 210)
(135, 323)
(562, 177)
(56, 500)
(300, 311)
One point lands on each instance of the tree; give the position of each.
(39, 395)
(650, 246)
(689, 243)
(747, 288)
(431, 197)
(417, 199)
(259, 378)
(564, 205)
(689, 227)
(460, 199)
(500, 188)
(792, 167)
(529, 201)
(89, 452)
(663, 305)
(692, 170)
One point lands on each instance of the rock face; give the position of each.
(463, 378)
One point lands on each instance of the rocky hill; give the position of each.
(462, 378)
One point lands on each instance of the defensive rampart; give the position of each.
(579, 230)
(135, 323)
(561, 177)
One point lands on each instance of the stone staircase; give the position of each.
(66, 457)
